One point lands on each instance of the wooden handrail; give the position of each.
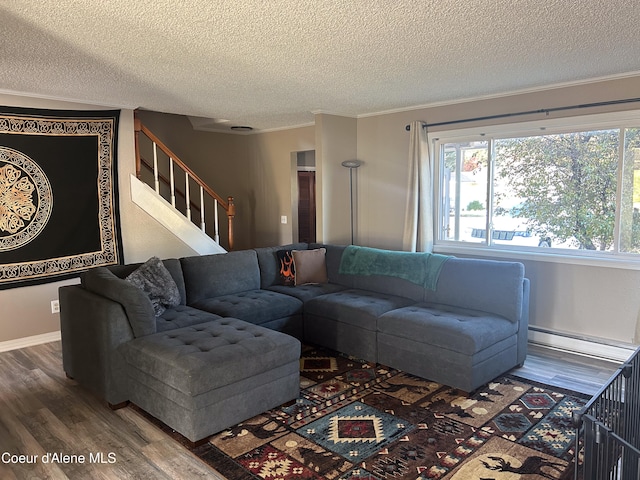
(228, 204)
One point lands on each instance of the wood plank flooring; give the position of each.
(574, 372)
(45, 415)
(43, 412)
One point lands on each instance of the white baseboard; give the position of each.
(588, 347)
(29, 341)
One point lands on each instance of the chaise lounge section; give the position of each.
(207, 377)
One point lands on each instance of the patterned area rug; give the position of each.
(356, 420)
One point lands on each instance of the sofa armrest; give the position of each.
(523, 327)
(136, 303)
(92, 328)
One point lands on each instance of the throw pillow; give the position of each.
(310, 266)
(286, 268)
(153, 278)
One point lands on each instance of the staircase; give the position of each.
(177, 187)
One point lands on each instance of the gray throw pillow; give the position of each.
(153, 278)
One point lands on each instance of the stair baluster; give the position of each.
(216, 231)
(172, 183)
(187, 197)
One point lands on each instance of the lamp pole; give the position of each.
(351, 165)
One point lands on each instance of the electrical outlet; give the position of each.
(283, 219)
(55, 306)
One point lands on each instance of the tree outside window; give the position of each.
(576, 190)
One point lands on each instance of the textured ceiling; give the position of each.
(272, 63)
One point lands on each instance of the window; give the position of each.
(566, 186)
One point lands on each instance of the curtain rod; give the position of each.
(529, 112)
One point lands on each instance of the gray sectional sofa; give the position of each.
(228, 347)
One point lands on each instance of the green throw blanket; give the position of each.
(416, 267)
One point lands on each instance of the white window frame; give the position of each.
(603, 121)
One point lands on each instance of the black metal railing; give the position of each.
(608, 427)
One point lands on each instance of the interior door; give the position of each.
(306, 206)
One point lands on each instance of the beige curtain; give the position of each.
(418, 224)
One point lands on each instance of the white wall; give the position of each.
(595, 301)
(336, 141)
(269, 184)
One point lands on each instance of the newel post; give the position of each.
(231, 212)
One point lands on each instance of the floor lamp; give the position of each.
(351, 165)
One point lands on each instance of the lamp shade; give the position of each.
(351, 163)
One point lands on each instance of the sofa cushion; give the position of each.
(359, 308)
(310, 266)
(389, 286)
(135, 302)
(487, 285)
(153, 278)
(215, 275)
(255, 306)
(333, 257)
(455, 329)
(268, 262)
(182, 316)
(201, 358)
(175, 269)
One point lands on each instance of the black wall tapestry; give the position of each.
(58, 194)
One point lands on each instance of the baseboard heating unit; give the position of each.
(587, 346)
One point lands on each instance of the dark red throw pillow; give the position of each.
(286, 269)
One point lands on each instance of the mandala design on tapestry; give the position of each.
(26, 199)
